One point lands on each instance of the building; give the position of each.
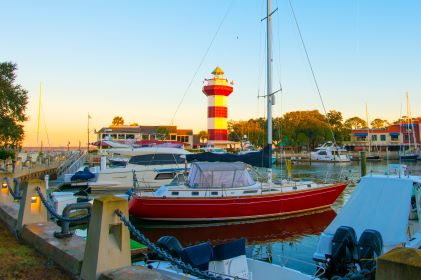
(142, 132)
(407, 134)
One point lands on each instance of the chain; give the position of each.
(187, 268)
(14, 195)
(53, 212)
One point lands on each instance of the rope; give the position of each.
(202, 60)
(311, 69)
(53, 212)
(187, 268)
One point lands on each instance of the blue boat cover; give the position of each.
(229, 250)
(198, 256)
(259, 159)
(84, 175)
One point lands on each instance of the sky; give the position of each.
(137, 59)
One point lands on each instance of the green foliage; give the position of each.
(379, 123)
(13, 102)
(5, 154)
(355, 123)
(162, 133)
(202, 135)
(117, 121)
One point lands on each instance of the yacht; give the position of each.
(148, 167)
(330, 152)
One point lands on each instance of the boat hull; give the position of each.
(234, 208)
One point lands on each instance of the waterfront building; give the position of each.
(126, 133)
(389, 138)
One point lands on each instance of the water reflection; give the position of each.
(256, 231)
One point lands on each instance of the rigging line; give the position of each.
(202, 60)
(311, 69)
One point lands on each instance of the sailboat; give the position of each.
(408, 129)
(225, 189)
(369, 156)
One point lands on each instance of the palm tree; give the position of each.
(203, 135)
(117, 121)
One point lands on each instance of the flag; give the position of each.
(89, 116)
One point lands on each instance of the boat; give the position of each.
(410, 154)
(150, 167)
(219, 188)
(223, 191)
(370, 156)
(365, 229)
(222, 261)
(330, 152)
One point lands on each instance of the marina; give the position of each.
(292, 191)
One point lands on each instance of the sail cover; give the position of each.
(379, 202)
(258, 159)
(219, 175)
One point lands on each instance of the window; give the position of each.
(174, 193)
(373, 137)
(113, 136)
(250, 191)
(121, 136)
(382, 137)
(156, 159)
(182, 138)
(173, 137)
(129, 136)
(394, 137)
(145, 136)
(361, 138)
(195, 193)
(214, 193)
(322, 153)
(164, 176)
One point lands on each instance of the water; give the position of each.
(295, 238)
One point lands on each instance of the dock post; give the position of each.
(31, 209)
(5, 196)
(108, 241)
(363, 164)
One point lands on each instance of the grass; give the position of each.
(19, 261)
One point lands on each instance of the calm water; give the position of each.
(295, 238)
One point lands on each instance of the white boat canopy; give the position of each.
(219, 175)
(381, 203)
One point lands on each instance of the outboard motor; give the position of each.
(344, 252)
(370, 246)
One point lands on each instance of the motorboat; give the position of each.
(330, 152)
(221, 191)
(365, 229)
(147, 167)
(222, 261)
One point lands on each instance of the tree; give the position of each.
(379, 123)
(202, 135)
(134, 124)
(355, 123)
(162, 133)
(117, 121)
(13, 102)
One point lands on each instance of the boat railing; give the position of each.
(284, 260)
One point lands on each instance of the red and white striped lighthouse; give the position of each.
(217, 89)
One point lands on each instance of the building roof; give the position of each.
(184, 132)
(120, 129)
(218, 71)
(151, 129)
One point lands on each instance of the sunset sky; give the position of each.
(137, 58)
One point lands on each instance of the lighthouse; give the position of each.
(217, 89)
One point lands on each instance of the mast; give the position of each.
(409, 121)
(368, 130)
(269, 61)
(39, 109)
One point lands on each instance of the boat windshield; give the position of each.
(219, 175)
